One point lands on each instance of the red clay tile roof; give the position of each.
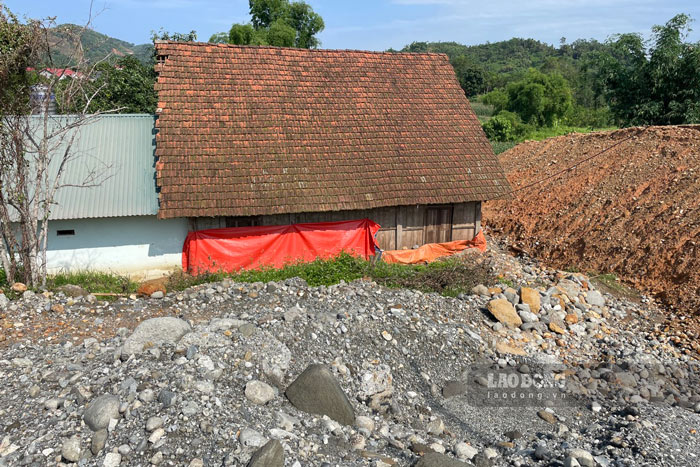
(266, 130)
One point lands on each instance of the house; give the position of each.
(252, 136)
(112, 225)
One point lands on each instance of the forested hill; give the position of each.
(501, 62)
(96, 45)
(497, 57)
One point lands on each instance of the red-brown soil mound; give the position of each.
(633, 210)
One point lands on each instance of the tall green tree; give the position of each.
(540, 99)
(656, 82)
(277, 22)
(127, 86)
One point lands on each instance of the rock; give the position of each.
(156, 435)
(270, 455)
(19, 287)
(531, 297)
(465, 451)
(71, 449)
(157, 458)
(547, 416)
(555, 327)
(100, 411)
(70, 290)
(166, 397)
(258, 392)
(316, 391)
(595, 298)
(364, 423)
(528, 316)
(153, 423)
(251, 438)
(112, 459)
(584, 458)
(157, 294)
(502, 347)
(571, 318)
(504, 312)
(436, 427)
(155, 331)
(98, 441)
(454, 388)
(571, 462)
(4, 301)
(480, 290)
(376, 385)
(434, 459)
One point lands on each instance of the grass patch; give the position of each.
(550, 132)
(449, 277)
(93, 282)
(482, 111)
(502, 146)
(611, 283)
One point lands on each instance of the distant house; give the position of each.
(113, 226)
(265, 135)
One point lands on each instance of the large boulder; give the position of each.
(270, 455)
(101, 411)
(316, 391)
(503, 311)
(155, 331)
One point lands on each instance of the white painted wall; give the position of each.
(140, 245)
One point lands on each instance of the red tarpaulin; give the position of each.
(236, 248)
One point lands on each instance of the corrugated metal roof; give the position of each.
(120, 150)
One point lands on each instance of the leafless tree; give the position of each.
(37, 144)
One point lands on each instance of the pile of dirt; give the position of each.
(632, 210)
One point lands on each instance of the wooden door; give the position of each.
(438, 224)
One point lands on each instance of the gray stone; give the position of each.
(100, 411)
(4, 301)
(247, 330)
(465, 451)
(98, 441)
(595, 298)
(166, 397)
(528, 316)
(258, 392)
(153, 423)
(270, 455)
(158, 294)
(251, 438)
(583, 457)
(71, 449)
(480, 290)
(112, 459)
(155, 331)
(434, 459)
(316, 391)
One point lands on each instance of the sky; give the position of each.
(379, 24)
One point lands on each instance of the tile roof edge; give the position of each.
(272, 47)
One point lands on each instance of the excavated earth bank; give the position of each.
(633, 211)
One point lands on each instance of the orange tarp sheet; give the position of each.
(232, 249)
(433, 251)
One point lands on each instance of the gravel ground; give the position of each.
(404, 374)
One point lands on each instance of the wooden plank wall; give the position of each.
(402, 226)
(466, 220)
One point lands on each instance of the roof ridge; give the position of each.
(295, 49)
